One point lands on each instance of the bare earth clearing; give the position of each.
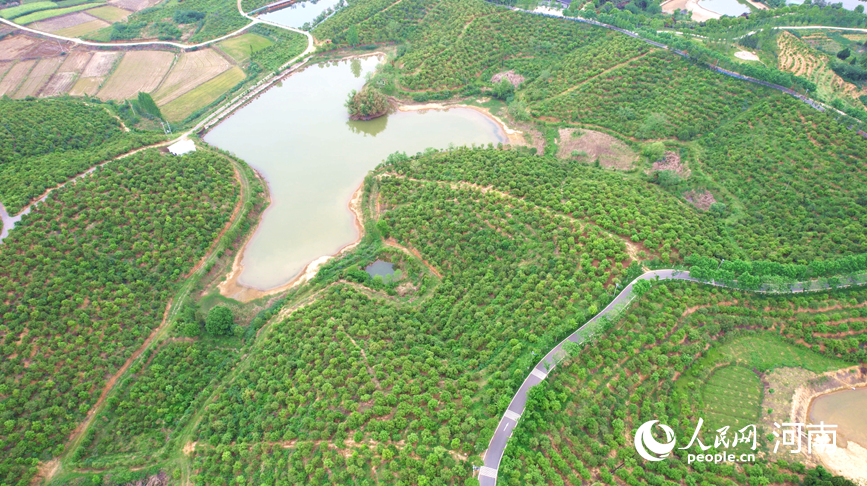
(699, 13)
(746, 56)
(672, 163)
(702, 200)
(512, 76)
(24, 47)
(138, 71)
(134, 5)
(610, 151)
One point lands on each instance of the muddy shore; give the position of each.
(233, 289)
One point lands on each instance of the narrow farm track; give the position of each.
(510, 418)
(172, 309)
(178, 45)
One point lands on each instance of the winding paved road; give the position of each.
(497, 446)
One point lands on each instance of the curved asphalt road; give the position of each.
(497, 446)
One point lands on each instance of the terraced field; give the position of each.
(799, 58)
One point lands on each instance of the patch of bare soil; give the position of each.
(672, 162)
(512, 76)
(702, 200)
(189, 448)
(134, 5)
(592, 145)
(64, 21)
(15, 47)
(100, 64)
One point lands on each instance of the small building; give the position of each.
(185, 146)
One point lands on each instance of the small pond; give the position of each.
(845, 409)
(298, 136)
(300, 13)
(380, 268)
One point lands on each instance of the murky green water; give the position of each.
(299, 137)
(845, 409)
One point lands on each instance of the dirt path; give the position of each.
(75, 438)
(612, 68)
(631, 248)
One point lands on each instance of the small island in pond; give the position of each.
(366, 104)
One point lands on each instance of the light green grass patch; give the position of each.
(47, 14)
(11, 13)
(241, 47)
(109, 13)
(732, 396)
(180, 108)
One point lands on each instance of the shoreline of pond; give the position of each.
(843, 461)
(233, 289)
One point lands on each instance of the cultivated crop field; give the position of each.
(189, 71)
(38, 77)
(15, 76)
(241, 48)
(205, 94)
(138, 71)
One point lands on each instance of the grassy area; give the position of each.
(109, 13)
(765, 353)
(202, 96)
(47, 14)
(11, 13)
(81, 30)
(733, 397)
(243, 46)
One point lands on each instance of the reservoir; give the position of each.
(298, 136)
(725, 7)
(299, 14)
(845, 409)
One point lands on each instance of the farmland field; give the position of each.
(185, 105)
(47, 14)
(109, 13)
(38, 77)
(189, 71)
(86, 86)
(733, 397)
(14, 76)
(64, 22)
(82, 29)
(241, 47)
(138, 71)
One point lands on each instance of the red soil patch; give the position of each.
(512, 76)
(672, 162)
(701, 200)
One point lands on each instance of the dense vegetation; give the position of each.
(203, 19)
(146, 410)
(44, 143)
(655, 363)
(287, 45)
(86, 278)
(366, 104)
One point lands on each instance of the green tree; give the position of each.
(352, 36)
(503, 90)
(220, 321)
